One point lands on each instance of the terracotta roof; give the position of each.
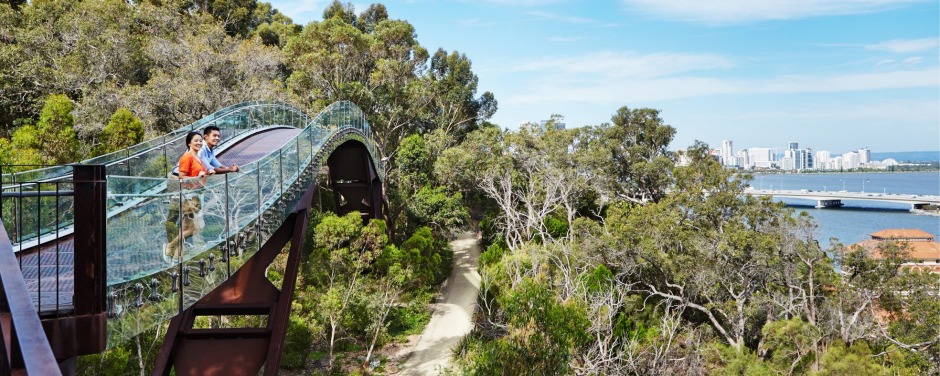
(903, 233)
(919, 250)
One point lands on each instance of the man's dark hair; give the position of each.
(209, 129)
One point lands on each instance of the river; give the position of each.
(854, 222)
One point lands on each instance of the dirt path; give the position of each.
(451, 319)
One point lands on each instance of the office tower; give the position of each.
(793, 145)
(743, 159)
(864, 156)
(822, 160)
(760, 157)
(850, 160)
(727, 156)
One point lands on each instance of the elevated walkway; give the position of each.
(73, 248)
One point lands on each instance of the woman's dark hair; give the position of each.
(190, 135)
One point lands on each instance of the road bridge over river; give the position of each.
(833, 199)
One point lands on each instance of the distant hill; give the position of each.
(908, 156)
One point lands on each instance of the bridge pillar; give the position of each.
(828, 203)
(919, 206)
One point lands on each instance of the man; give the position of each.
(212, 135)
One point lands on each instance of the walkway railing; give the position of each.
(153, 158)
(216, 222)
(23, 342)
(231, 215)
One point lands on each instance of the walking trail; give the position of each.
(452, 315)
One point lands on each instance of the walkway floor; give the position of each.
(452, 316)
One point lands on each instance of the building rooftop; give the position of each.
(920, 250)
(903, 234)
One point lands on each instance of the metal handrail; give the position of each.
(30, 338)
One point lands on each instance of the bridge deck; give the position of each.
(849, 196)
(48, 269)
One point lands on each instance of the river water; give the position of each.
(857, 219)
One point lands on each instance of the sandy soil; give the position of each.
(452, 314)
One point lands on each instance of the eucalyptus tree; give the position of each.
(634, 162)
(377, 63)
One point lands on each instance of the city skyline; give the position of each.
(794, 158)
(844, 71)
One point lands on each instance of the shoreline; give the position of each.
(831, 172)
(934, 213)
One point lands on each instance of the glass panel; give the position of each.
(205, 226)
(140, 280)
(270, 184)
(230, 217)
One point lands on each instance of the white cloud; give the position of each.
(913, 60)
(658, 88)
(744, 11)
(622, 65)
(560, 18)
(901, 46)
(885, 62)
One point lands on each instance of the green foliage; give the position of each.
(428, 257)
(597, 280)
(732, 361)
(123, 131)
(493, 254)
(52, 140)
(541, 339)
(116, 361)
(856, 359)
(296, 344)
(434, 207)
(791, 344)
(409, 319)
(413, 160)
(136, 356)
(557, 227)
(635, 158)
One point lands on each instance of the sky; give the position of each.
(832, 75)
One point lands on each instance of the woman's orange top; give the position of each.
(190, 166)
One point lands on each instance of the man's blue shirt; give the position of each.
(207, 157)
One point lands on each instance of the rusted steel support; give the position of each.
(239, 351)
(280, 317)
(90, 239)
(84, 331)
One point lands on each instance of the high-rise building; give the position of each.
(793, 145)
(760, 157)
(835, 163)
(744, 159)
(822, 160)
(850, 160)
(864, 156)
(727, 155)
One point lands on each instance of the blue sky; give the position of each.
(832, 75)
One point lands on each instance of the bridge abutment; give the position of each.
(828, 203)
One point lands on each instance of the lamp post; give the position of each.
(843, 183)
(863, 185)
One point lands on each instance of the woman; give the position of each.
(190, 167)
